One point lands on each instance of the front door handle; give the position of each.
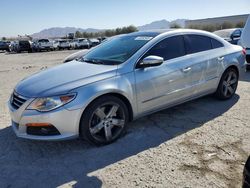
(186, 69)
(220, 58)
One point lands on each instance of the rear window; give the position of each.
(216, 43)
(197, 43)
(43, 40)
(168, 48)
(24, 42)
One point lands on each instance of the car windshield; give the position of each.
(117, 50)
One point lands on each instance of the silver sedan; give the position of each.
(121, 80)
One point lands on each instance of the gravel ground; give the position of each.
(202, 143)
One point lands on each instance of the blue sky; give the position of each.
(29, 16)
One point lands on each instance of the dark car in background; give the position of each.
(246, 175)
(4, 46)
(21, 46)
(230, 35)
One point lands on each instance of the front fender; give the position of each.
(123, 85)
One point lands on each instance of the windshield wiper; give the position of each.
(93, 61)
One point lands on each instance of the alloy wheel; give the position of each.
(230, 84)
(107, 122)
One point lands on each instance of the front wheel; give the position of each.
(228, 84)
(104, 120)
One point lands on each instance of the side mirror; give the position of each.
(150, 61)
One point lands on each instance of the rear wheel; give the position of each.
(104, 120)
(228, 84)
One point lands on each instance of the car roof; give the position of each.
(154, 33)
(165, 32)
(150, 33)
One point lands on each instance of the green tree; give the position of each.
(3, 38)
(227, 25)
(78, 34)
(175, 26)
(240, 24)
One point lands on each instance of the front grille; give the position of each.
(17, 100)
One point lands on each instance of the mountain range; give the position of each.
(63, 31)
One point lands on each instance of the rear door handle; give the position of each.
(186, 69)
(220, 58)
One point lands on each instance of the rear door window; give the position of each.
(168, 48)
(216, 44)
(197, 43)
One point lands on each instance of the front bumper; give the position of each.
(65, 121)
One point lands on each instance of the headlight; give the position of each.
(50, 103)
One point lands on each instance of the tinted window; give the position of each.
(43, 40)
(169, 48)
(197, 43)
(216, 43)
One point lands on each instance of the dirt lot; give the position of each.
(203, 143)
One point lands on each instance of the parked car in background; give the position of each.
(4, 46)
(12, 45)
(21, 46)
(245, 41)
(55, 44)
(93, 42)
(80, 54)
(246, 175)
(76, 55)
(80, 43)
(101, 39)
(123, 79)
(42, 45)
(64, 44)
(230, 35)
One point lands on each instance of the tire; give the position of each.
(228, 84)
(97, 122)
(248, 61)
(248, 67)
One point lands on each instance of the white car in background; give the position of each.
(94, 42)
(42, 44)
(245, 41)
(80, 43)
(55, 44)
(64, 44)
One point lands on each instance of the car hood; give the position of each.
(63, 78)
